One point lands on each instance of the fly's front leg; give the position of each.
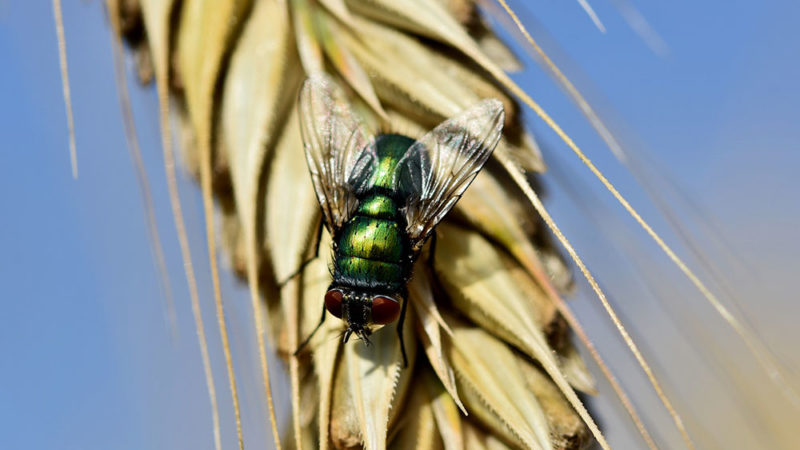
(431, 253)
(315, 245)
(400, 330)
(306, 340)
(432, 250)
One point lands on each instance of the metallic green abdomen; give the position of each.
(372, 246)
(372, 250)
(366, 272)
(379, 207)
(372, 238)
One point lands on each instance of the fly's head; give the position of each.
(360, 309)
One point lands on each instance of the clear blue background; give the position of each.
(87, 360)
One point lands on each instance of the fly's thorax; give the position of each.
(390, 148)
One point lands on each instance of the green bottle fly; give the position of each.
(382, 197)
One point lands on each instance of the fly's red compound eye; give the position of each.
(333, 302)
(384, 310)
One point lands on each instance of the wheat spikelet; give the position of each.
(491, 363)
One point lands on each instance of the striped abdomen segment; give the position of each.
(372, 247)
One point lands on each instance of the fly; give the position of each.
(381, 198)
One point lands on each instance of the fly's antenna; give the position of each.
(62, 58)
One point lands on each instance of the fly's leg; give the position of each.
(431, 253)
(315, 246)
(400, 331)
(305, 342)
(300, 269)
(432, 250)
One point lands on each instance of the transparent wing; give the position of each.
(437, 169)
(340, 153)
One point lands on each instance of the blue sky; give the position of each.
(88, 362)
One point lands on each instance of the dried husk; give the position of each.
(431, 324)
(417, 431)
(476, 438)
(446, 413)
(479, 317)
(486, 286)
(326, 342)
(497, 397)
(566, 429)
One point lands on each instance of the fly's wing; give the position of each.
(340, 154)
(436, 169)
